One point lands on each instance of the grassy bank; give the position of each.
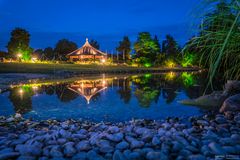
(78, 68)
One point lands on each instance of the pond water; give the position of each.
(106, 98)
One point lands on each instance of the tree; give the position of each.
(63, 47)
(49, 53)
(19, 44)
(155, 39)
(146, 49)
(124, 48)
(95, 44)
(170, 47)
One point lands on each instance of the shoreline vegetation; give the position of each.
(84, 69)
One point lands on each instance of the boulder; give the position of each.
(232, 88)
(231, 104)
(214, 99)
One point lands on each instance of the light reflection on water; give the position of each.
(105, 97)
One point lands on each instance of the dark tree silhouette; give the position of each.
(95, 44)
(19, 43)
(63, 47)
(124, 49)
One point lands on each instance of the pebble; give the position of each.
(216, 148)
(136, 139)
(83, 146)
(122, 145)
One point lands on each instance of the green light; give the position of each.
(148, 75)
(188, 60)
(188, 79)
(147, 65)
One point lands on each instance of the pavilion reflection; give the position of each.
(89, 88)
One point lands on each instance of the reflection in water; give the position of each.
(143, 91)
(88, 88)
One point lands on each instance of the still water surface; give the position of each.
(107, 98)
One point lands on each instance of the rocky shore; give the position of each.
(212, 136)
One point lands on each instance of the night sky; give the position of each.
(107, 21)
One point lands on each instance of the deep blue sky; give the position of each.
(107, 21)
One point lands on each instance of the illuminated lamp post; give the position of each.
(19, 55)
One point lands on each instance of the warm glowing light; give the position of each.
(104, 82)
(170, 64)
(34, 87)
(103, 60)
(19, 55)
(34, 59)
(170, 76)
(21, 91)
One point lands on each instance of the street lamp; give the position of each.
(19, 55)
(103, 60)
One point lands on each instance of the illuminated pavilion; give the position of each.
(87, 53)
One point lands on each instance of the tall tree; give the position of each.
(170, 47)
(49, 53)
(156, 40)
(63, 47)
(124, 48)
(19, 44)
(146, 49)
(95, 44)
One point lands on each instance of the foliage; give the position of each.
(49, 53)
(63, 47)
(95, 44)
(188, 59)
(19, 44)
(218, 39)
(146, 48)
(170, 63)
(170, 47)
(146, 96)
(188, 79)
(124, 48)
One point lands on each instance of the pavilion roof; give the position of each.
(87, 48)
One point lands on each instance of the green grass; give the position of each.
(78, 68)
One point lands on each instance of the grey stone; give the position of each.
(196, 157)
(6, 150)
(176, 146)
(92, 155)
(105, 146)
(156, 156)
(69, 150)
(8, 155)
(136, 144)
(83, 146)
(115, 137)
(118, 156)
(33, 149)
(156, 141)
(216, 148)
(231, 104)
(134, 156)
(113, 129)
(56, 152)
(202, 122)
(26, 158)
(122, 145)
(80, 156)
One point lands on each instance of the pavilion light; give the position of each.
(19, 55)
(103, 60)
(20, 91)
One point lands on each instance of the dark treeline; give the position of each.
(147, 50)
